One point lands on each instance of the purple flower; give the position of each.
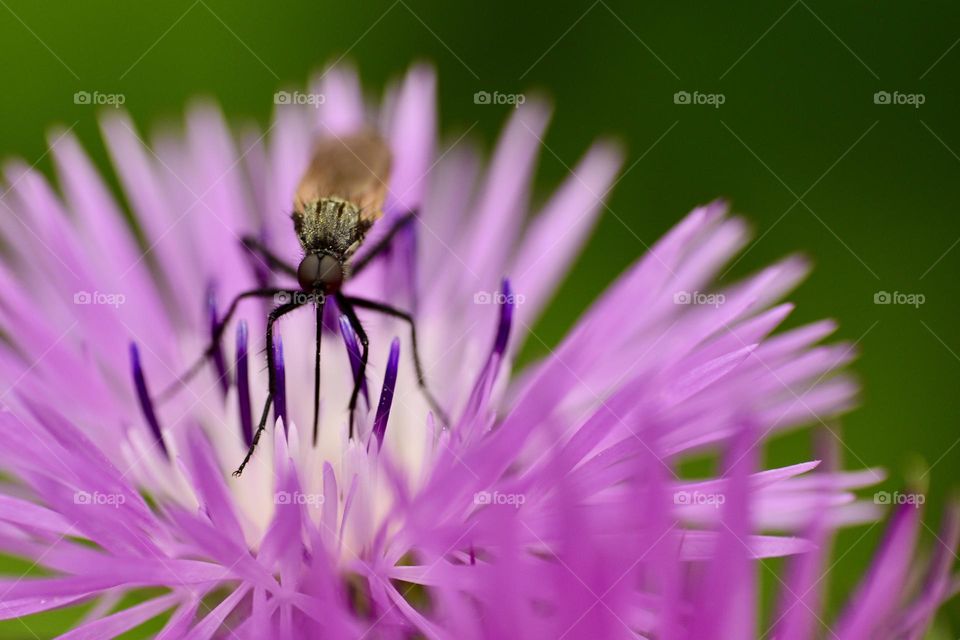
(549, 507)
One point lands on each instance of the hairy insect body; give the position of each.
(331, 225)
(341, 194)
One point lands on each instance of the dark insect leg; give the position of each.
(348, 310)
(383, 243)
(316, 373)
(197, 365)
(254, 245)
(406, 317)
(275, 315)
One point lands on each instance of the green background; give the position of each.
(878, 183)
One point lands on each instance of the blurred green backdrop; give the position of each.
(800, 145)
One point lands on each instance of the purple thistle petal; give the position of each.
(180, 621)
(386, 394)
(243, 384)
(146, 402)
(209, 486)
(24, 513)
(729, 585)
(936, 588)
(280, 381)
(505, 189)
(223, 378)
(207, 627)
(342, 111)
(122, 621)
(405, 253)
(209, 541)
(802, 592)
(506, 318)
(330, 495)
(17, 608)
(412, 133)
(116, 571)
(875, 602)
(353, 352)
(557, 233)
(488, 375)
(276, 549)
(133, 165)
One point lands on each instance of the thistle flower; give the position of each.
(549, 507)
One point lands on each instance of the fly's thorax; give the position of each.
(333, 226)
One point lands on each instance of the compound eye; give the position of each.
(330, 273)
(308, 273)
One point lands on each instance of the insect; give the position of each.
(340, 197)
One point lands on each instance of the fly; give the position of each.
(339, 198)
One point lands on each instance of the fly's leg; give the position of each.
(217, 334)
(316, 372)
(385, 309)
(344, 304)
(255, 245)
(383, 243)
